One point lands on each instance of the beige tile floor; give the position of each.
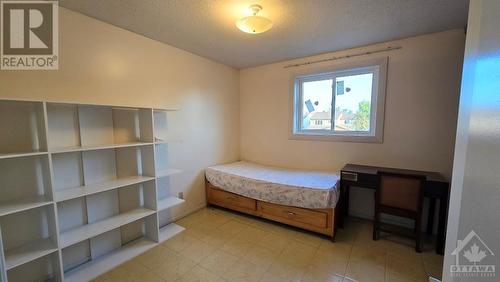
(219, 245)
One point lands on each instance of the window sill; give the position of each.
(336, 138)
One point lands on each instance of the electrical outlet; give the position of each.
(181, 195)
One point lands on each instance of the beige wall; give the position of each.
(100, 63)
(420, 113)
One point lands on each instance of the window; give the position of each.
(343, 104)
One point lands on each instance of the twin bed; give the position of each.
(304, 199)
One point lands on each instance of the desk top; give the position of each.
(430, 176)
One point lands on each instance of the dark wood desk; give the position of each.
(436, 188)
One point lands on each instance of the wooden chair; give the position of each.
(400, 195)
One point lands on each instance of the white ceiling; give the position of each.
(301, 27)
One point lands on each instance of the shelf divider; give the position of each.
(20, 205)
(77, 192)
(97, 147)
(21, 154)
(29, 252)
(88, 231)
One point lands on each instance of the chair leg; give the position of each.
(376, 227)
(418, 235)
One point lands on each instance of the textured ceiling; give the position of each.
(301, 27)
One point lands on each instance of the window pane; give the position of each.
(317, 104)
(353, 95)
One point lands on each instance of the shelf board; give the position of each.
(168, 141)
(21, 154)
(97, 105)
(20, 205)
(94, 268)
(97, 147)
(169, 202)
(169, 231)
(172, 109)
(87, 231)
(72, 193)
(29, 252)
(168, 172)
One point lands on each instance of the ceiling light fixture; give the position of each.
(254, 24)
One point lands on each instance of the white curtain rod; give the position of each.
(390, 48)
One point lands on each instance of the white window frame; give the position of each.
(376, 66)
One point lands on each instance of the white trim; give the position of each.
(376, 66)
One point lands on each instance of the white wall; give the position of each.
(475, 193)
(420, 113)
(100, 63)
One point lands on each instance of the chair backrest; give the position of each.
(401, 191)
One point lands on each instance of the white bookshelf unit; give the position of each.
(83, 188)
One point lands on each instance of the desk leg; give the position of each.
(340, 205)
(346, 202)
(430, 217)
(443, 212)
(343, 202)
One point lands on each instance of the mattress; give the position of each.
(306, 189)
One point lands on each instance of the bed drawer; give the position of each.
(294, 216)
(231, 200)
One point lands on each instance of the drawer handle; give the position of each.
(291, 213)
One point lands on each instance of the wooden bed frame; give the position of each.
(321, 221)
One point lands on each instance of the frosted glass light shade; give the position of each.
(254, 24)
